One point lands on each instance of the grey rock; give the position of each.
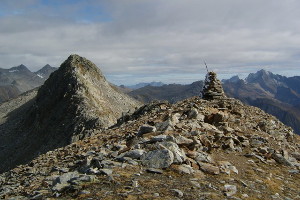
(155, 171)
(158, 158)
(179, 155)
(18, 198)
(280, 159)
(146, 129)
(228, 144)
(135, 184)
(161, 138)
(84, 192)
(203, 157)
(177, 192)
(193, 113)
(85, 178)
(227, 167)
(294, 171)
(92, 171)
(175, 118)
(65, 178)
(230, 190)
(164, 126)
(62, 182)
(185, 169)
(59, 187)
(208, 168)
(106, 172)
(181, 140)
(38, 196)
(195, 184)
(134, 154)
(296, 155)
(200, 117)
(156, 195)
(109, 164)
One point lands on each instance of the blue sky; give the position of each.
(135, 41)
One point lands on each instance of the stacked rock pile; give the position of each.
(212, 88)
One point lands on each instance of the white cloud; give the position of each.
(153, 39)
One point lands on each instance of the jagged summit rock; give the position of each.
(212, 88)
(74, 102)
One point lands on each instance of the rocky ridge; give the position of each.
(73, 103)
(194, 149)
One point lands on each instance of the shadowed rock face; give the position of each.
(212, 88)
(75, 101)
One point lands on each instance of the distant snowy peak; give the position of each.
(45, 72)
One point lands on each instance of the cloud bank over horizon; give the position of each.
(148, 40)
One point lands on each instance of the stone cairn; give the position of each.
(212, 88)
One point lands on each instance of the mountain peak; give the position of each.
(80, 66)
(74, 102)
(79, 81)
(261, 74)
(47, 66)
(233, 79)
(20, 68)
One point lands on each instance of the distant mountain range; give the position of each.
(140, 85)
(19, 79)
(170, 92)
(278, 95)
(275, 94)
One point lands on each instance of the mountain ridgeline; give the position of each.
(74, 102)
(275, 94)
(17, 80)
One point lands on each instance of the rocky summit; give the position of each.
(194, 149)
(75, 102)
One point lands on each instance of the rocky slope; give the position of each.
(8, 92)
(17, 80)
(194, 149)
(75, 101)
